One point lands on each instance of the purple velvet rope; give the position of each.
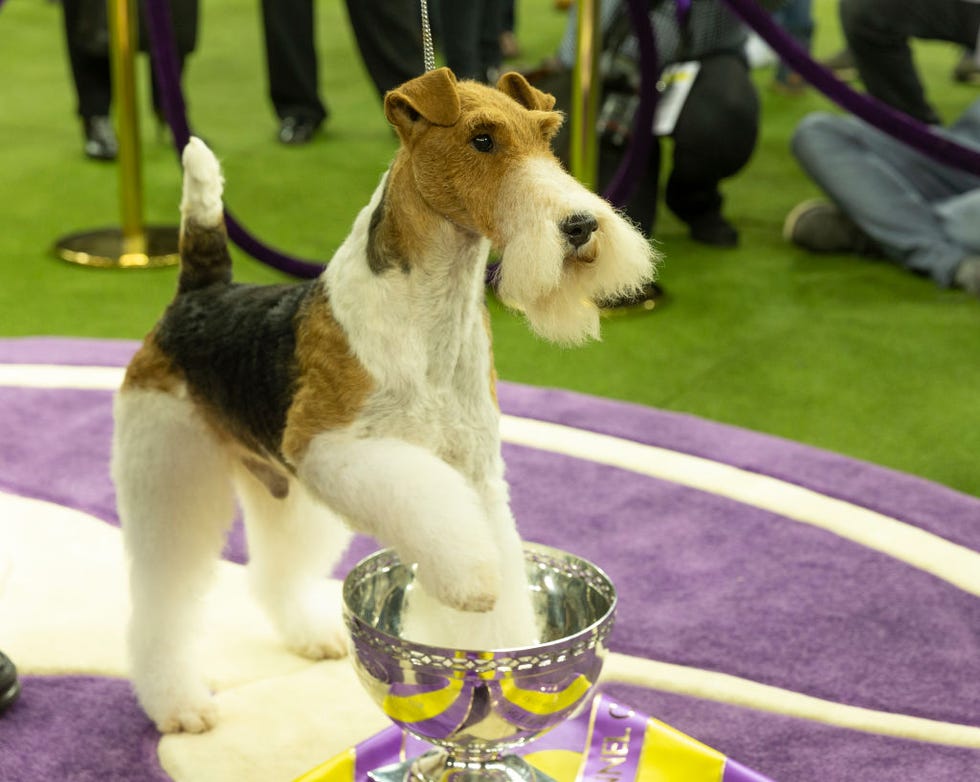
(871, 110)
(164, 57)
(634, 162)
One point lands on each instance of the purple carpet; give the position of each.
(704, 581)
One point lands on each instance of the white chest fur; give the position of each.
(422, 335)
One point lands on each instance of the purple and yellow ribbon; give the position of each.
(610, 742)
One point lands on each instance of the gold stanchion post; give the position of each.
(583, 152)
(133, 245)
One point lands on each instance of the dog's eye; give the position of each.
(482, 143)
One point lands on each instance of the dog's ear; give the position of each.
(517, 87)
(432, 97)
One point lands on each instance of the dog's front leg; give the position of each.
(408, 498)
(514, 621)
(511, 623)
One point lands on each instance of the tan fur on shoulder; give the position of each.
(333, 384)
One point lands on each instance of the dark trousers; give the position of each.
(469, 36)
(86, 39)
(713, 139)
(89, 62)
(878, 32)
(388, 35)
(389, 38)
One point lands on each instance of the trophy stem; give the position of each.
(439, 766)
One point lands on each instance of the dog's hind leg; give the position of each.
(294, 542)
(175, 502)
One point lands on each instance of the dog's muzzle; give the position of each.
(578, 228)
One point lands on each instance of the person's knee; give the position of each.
(722, 109)
(739, 106)
(813, 133)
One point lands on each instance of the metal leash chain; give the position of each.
(428, 53)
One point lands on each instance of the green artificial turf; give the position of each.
(855, 356)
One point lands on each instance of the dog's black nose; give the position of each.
(578, 228)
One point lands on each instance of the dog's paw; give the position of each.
(309, 619)
(191, 719)
(189, 712)
(466, 583)
(326, 643)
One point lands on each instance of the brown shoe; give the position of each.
(968, 275)
(842, 64)
(821, 227)
(967, 70)
(792, 84)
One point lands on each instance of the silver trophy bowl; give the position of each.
(474, 705)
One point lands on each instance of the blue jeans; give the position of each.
(796, 18)
(925, 215)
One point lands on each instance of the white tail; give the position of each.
(203, 185)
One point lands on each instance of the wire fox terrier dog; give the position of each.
(363, 400)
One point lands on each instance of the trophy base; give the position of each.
(436, 766)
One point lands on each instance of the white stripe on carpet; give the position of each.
(725, 688)
(953, 563)
(59, 376)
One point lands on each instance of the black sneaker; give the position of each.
(297, 130)
(100, 138)
(9, 685)
(822, 227)
(647, 298)
(713, 229)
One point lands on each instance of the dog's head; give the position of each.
(464, 138)
(481, 157)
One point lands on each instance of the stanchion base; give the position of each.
(107, 248)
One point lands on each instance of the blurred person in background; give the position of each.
(708, 106)
(86, 32)
(389, 39)
(887, 199)
(878, 35)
